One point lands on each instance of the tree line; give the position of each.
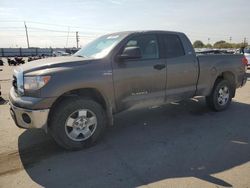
(219, 44)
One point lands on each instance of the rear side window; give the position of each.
(173, 46)
(148, 45)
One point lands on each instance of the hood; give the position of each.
(53, 62)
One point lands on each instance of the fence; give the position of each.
(24, 52)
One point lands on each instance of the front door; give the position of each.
(140, 82)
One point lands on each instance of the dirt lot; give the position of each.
(179, 145)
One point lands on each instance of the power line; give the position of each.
(15, 32)
(41, 23)
(10, 27)
(63, 36)
(98, 29)
(60, 31)
(10, 21)
(58, 25)
(51, 30)
(55, 25)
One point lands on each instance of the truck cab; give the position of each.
(166, 65)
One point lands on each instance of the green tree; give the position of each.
(208, 46)
(222, 44)
(198, 44)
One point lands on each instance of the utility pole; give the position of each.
(27, 36)
(245, 41)
(77, 39)
(230, 39)
(208, 40)
(67, 37)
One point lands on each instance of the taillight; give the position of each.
(244, 61)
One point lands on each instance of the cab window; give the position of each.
(173, 46)
(148, 45)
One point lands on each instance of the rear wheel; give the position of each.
(76, 123)
(221, 95)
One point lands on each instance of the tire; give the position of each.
(221, 95)
(72, 117)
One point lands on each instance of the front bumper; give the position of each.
(25, 118)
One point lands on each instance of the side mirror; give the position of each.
(133, 52)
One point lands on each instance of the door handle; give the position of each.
(159, 66)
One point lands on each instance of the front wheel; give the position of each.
(76, 123)
(221, 95)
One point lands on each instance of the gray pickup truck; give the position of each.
(74, 98)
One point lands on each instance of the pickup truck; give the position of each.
(74, 98)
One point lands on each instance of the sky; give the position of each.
(54, 23)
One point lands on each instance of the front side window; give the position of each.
(147, 44)
(100, 47)
(173, 46)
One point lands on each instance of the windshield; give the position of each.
(100, 47)
(247, 50)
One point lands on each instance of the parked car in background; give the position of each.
(60, 53)
(247, 55)
(214, 51)
(0, 87)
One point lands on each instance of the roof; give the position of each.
(145, 32)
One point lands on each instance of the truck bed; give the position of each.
(211, 66)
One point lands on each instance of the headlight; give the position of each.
(35, 82)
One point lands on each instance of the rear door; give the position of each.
(182, 69)
(140, 82)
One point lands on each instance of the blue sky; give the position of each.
(54, 23)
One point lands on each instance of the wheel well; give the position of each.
(89, 93)
(230, 77)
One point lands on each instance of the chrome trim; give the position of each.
(18, 73)
(38, 117)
